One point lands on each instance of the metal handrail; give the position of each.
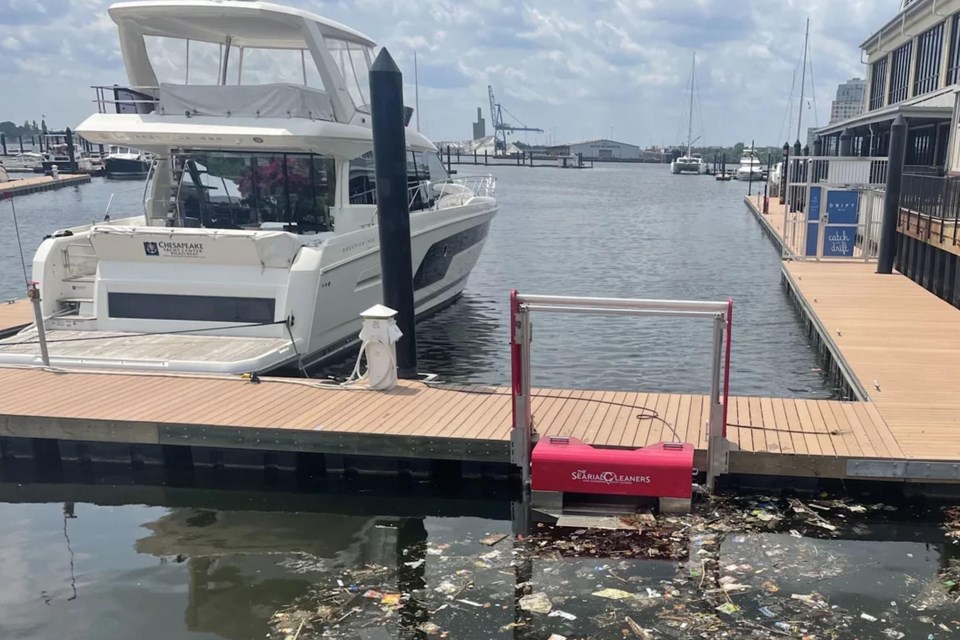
(103, 101)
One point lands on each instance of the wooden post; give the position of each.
(393, 209)
(891, 197)
(3, 143)
(21, 144)
(484, 157)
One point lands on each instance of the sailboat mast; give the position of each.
(693, 71)
(803, 77)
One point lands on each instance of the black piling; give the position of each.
(71, 151)
(797, 148)
(891, 198)
(393, 212)
(21, 144)
(3, 143)
(818, 146)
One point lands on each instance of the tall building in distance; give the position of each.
(480, 126)
(850, 100)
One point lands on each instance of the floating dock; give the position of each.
(467, 423)
(41, 183)
(895, 345)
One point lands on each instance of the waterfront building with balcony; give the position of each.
(913, 69)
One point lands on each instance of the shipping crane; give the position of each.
(500, 128)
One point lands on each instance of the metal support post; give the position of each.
(33, 293)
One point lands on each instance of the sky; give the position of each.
(578, 69)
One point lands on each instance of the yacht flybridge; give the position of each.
(258, 246)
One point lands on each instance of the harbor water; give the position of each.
(107, 559)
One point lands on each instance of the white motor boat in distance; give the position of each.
(750, 167)
(258, 244)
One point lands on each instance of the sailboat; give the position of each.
(689, 162)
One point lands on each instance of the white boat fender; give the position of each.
(378, 336)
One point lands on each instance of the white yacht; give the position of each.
(690, 162)
(258, 244)
(750, 167)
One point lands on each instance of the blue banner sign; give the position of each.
(841, 232)
(813, 221)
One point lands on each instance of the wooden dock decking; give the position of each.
(14, 315)
(41, 183)
(900, 341)
(461, 422)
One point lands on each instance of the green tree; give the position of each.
(34, 127)
(738, 149)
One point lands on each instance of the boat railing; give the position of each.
(129, 99)
(450, 191)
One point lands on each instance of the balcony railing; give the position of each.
(931, 195)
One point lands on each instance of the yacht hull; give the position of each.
(125, 168)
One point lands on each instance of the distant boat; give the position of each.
(750, 167)
(123, 163)
(689, 162)
(724, 176)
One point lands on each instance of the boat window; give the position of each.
(422, 167)
(169, 58)
(149, 306)
(268, 66)
(353, 61)
(228, 190)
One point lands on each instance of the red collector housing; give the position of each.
(661, 470)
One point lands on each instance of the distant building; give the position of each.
(480, 126)
(851, 96)
(811, 136)
(599, 149)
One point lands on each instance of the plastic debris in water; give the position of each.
(613, 594)
(536, 603)
(557, 613)
(728, 608)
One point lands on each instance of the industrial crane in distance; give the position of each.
(500, 128)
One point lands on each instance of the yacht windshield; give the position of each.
(353, 61)
(227, 190)
(422, 167)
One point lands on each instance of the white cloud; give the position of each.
(573, 68)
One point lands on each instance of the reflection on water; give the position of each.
(615, 230)
(192, 571)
